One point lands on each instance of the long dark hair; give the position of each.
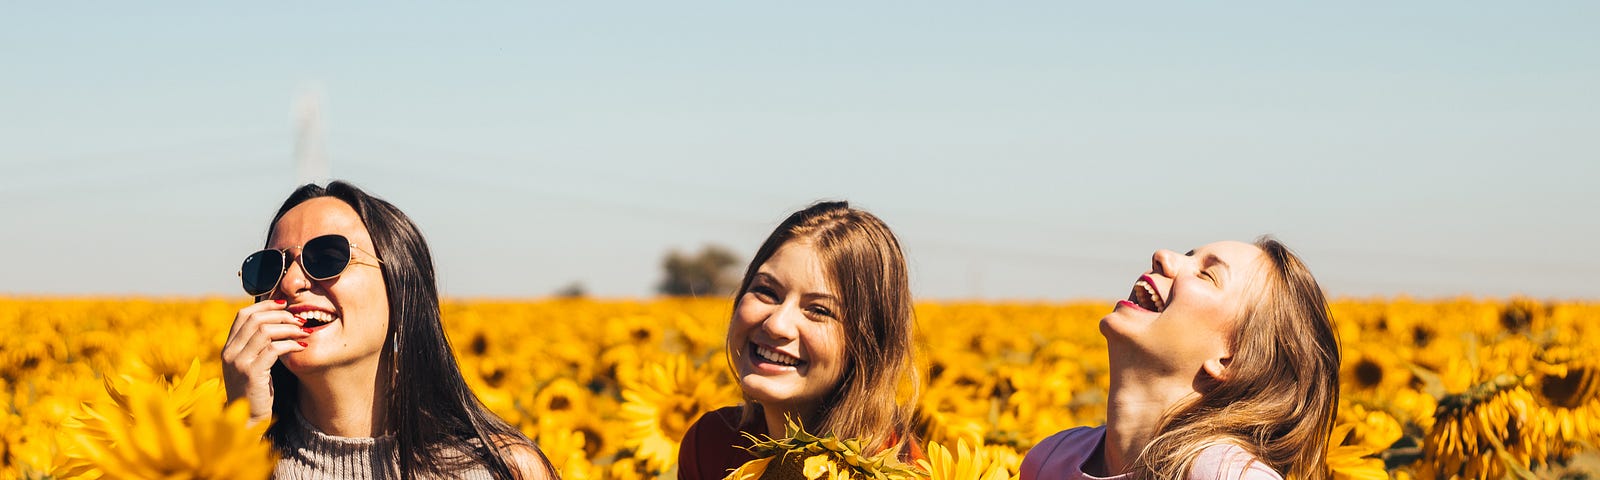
(430, 406)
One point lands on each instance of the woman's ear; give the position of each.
(1217, 368)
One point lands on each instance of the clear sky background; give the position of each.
(1021, 150)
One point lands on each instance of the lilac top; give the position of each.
(1061, 457)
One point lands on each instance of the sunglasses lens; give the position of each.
(260, 272)
(326, 256)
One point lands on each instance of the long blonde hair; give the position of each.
(1281, 393)
(875, 396)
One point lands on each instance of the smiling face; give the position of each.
(348, 314)
(786, 336)
(1185, 310)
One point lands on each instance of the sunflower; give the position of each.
(566, 451)
(1372, 372)
(945, 416)
(561, 402)
(1566, 388)
(163, 355)
(1357, 440)
(566, 409)
(1482, 433)
(29, 449)
(23, 357)
(665, 399)
(182, 431)
(494, 383)
(965, 463)
(801, 455)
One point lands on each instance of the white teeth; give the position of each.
(316, 315)
(775, 356)
(1151, 293)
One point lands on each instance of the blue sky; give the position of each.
(1034, 150)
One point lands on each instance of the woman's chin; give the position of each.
(766, 391)
(299, 362)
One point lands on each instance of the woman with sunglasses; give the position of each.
(346, 353)
(821, 334)
(1224, 365)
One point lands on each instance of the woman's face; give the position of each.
(786, 338)
(1186, 308)
(348, 314)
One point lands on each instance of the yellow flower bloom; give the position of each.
(151, 431)
(803, 456)
(1464, 387)
(965, 463)
(1357, 440)
(665, 400)
(1566, 388)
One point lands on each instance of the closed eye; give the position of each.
(766, 295)
(820, 311)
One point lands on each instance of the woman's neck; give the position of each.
(1135, 405)
(777, 419)
(347, 401)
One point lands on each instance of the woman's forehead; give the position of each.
(317, 217)
(799, 264)
(1233, 252)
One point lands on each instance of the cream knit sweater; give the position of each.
(313, 455)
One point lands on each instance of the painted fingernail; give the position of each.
(301, 343)
(307, 330)
(281, 301)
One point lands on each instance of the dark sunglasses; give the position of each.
(321, 258)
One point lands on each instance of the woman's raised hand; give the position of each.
(260, 334)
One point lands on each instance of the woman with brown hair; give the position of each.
(821, 333)
(1224, 364)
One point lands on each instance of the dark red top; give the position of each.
(713, 447)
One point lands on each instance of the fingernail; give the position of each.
(307, 330)
(281, 301)
(301, 343)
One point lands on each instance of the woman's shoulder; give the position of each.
(715, 425)
(1062, 453)
(711, 446)
(525, 459)
(1230, 462)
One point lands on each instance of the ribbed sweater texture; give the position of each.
(313, 455)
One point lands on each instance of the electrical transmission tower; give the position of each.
(310, 163)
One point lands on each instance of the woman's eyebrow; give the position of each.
(1213, 259)
(822, 296)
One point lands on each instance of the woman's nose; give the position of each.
(780, 326)
(1164, 262)
(294, 278)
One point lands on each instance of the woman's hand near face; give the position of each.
(260, 334)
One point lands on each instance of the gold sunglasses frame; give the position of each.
(283, 255)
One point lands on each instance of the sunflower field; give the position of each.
(130, 388)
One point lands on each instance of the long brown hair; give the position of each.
(864, 265)
(1281, 393)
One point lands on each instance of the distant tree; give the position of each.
(573, 290)
(713, 271)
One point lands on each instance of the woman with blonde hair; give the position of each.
(821, 333)
(1224, 364)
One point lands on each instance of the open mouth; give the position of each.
(1146, 296)
(315, 318)
(767, 355)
